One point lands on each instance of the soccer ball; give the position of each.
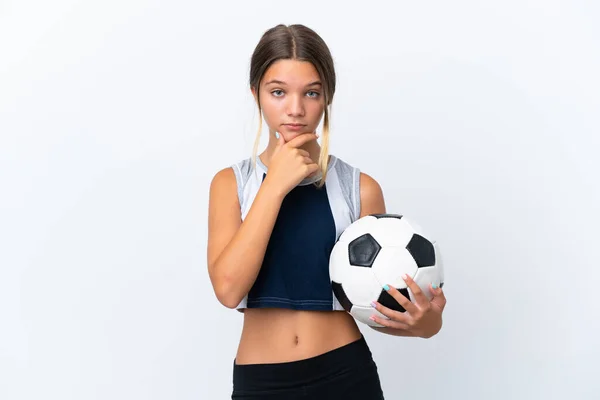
(377, 250)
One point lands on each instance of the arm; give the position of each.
(373, 202)
(236, 249)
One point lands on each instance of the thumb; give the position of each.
(280, 139)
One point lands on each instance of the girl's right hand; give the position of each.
(289, 164)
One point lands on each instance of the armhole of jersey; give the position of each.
(241, 171)
(239, 182)
(349, 181)
(356, 192)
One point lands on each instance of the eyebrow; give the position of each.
(315, 83)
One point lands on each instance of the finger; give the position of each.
(408, 305)
(303, 152)
(391, 314)
(312, 168)
(418, 294)
(434, 289)
(307, 160)
(439, 298)
(302, 139)
(389, 323)
(280, 139)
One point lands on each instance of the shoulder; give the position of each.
(368, 185)
(371, 196)
(229, 175)
(232, 179)
(223, 182)
(223, 176)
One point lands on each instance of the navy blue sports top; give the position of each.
(295, 270)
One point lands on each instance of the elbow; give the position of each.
(225, 287)
(227, 296)
(228, 302)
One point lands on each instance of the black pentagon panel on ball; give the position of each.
(363, 250)
(388, 301)
(422, 251)
(338, 291)
(379, 216)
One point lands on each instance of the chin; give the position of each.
(289, 135)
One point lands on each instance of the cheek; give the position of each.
(269, 116)
(315, 112)
(316, 108)
(271, 109)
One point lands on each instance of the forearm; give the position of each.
(237, 267)
(392, 331)
(431, 331)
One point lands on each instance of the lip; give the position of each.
(294, 127)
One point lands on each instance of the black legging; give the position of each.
(347, 373)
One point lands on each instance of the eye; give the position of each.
(316, 94)
(276, 91)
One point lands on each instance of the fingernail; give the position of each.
(277, 135)
(433, 285)
(373, 304)
(386, 287)
(404, 276)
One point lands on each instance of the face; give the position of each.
(291, 92)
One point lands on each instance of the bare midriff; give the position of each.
(274, 335)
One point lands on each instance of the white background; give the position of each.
(479, 119)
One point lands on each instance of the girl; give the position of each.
(273, 221)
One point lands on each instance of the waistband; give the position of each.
(355, 355)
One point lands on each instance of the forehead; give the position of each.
(292, 72)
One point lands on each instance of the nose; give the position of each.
(295, 106)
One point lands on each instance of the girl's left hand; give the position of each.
(423, 318)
